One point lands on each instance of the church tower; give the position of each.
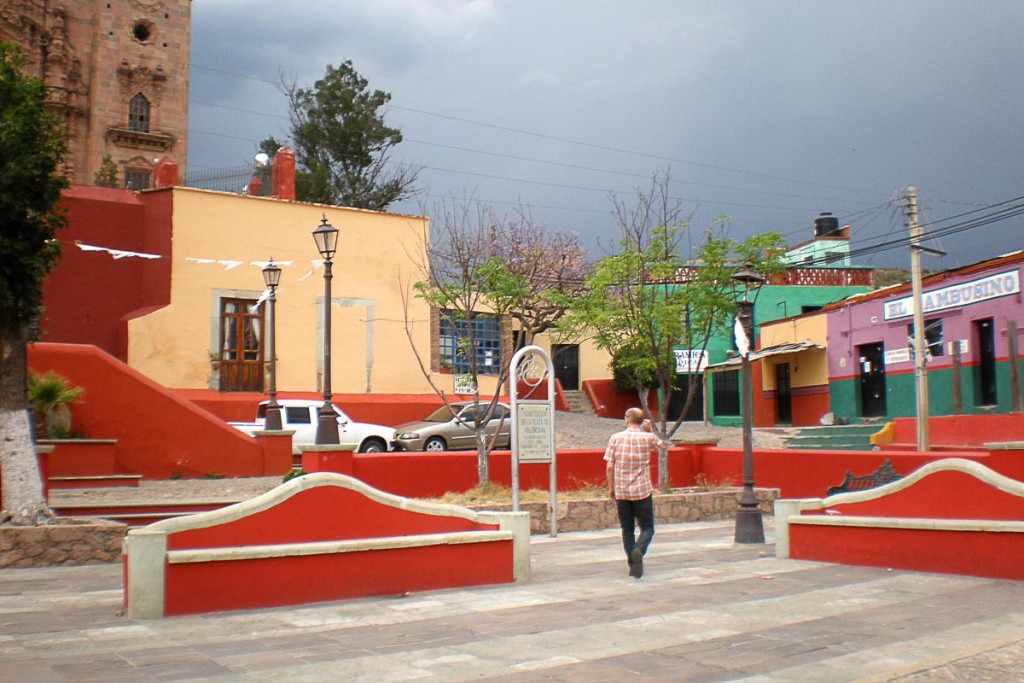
(116, 74)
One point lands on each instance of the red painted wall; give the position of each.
(116, 219)
(994, 555)
(946, 494)
(81, 459)
(327, 513)
(809, 404)
(962, 430)
(431, 475)
(301, 519)
(382, 409)
(608, 401)
(158, 434)
(808, 474)
(250, 584)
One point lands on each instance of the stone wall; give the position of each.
(73, 541)
(684, 505)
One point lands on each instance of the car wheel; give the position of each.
(373, 446)
(434, 444)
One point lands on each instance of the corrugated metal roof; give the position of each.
(777, 350)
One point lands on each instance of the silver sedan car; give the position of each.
(451, 428)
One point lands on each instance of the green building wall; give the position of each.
(901, 393)
(773, 303)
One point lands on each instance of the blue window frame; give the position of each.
(468, 343)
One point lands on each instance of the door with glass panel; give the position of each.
(241, 353)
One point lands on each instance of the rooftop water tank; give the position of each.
(826, 225)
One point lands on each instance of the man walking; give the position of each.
(629, 484)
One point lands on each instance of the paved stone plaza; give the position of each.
(705, 611)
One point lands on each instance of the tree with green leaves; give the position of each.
(31, 152)
(481, 264)
(647, 300)
(106, 176)
(342, 144)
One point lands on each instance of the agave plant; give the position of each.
(50, 395)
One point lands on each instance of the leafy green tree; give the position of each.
(106, 176)
(31, 152)
(342, 143)
(643, 302)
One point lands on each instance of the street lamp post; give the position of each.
(749, 525)
(271, 278)
(326, 238)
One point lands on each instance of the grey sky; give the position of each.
(767, 111)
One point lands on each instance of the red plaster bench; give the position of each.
(950, 516)
(317, 538)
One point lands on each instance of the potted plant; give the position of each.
(50, 396)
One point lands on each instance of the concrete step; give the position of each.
(95, 481)
(837, 445)
(579, 402)
(137, 514)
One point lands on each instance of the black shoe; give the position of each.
(636, 563)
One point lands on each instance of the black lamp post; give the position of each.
(749, 525)
(326, 238)
(272, 277)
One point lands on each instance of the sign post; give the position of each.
(533, 420)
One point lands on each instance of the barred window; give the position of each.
(136, 179)
(138, 113)
(473, 344)
(726, 390)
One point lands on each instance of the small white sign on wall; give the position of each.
(963, 346)
(897, 356)
(464, 384)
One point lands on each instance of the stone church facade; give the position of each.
(116, 75)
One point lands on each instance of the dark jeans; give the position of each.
(633, 513)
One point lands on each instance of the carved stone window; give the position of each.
(138, 113)
(137, 178)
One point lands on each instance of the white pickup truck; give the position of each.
(301, 417)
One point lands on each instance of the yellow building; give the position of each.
(170, 281)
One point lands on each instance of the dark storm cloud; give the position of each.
(769, 112)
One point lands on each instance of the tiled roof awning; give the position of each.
(777, 350)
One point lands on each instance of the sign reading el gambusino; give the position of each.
(954, 296)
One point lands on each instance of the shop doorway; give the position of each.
(783, 395)
(872, 379)
(985, 386)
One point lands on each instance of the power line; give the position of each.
(514, 157)
(582, 143)
(1007, 211)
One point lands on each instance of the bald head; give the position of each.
(634, 416)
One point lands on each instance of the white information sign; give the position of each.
(963, 346)
(533, 422)
(897, 356)
(690, 360)
(464, 384)
(954, 296)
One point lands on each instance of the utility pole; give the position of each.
(920, 368)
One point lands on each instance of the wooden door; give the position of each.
(241, 350)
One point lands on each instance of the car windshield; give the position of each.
(341, 415)
(442, 414)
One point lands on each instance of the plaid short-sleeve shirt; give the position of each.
(629, 451)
